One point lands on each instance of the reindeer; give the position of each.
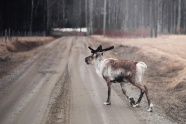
(120, 71)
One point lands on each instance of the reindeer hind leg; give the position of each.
(139, 99)
(144, 89)
(131, 100)
(149, 102)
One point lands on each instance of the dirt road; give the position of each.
(26, 100)
(56, 86)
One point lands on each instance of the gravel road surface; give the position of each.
(56, 86)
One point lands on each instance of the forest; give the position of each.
(99, 16)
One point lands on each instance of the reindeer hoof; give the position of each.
(132, 102)
(150, 108)
(107, 103)
(136, 105)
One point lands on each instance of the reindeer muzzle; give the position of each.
(86, 60)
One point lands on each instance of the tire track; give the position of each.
(59, 111)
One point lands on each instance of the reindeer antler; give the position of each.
(107, 49)
(99, 49)
(95, 51)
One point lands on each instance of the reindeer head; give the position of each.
(96, 54)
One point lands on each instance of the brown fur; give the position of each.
(129, 70)
(129, 66)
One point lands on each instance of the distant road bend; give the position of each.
(59, 87)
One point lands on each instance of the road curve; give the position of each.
(30, 98)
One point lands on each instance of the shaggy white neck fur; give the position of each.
(99, 64)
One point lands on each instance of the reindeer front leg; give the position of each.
(108, 102)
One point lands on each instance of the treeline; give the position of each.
(23, 15)
(153, 16)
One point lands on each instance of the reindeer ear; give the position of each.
(99, 48)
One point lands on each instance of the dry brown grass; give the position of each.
(20, 44)
(166, 74)
(169, 49)
(14, 52)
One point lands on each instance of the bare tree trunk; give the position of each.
(91, 16)
(48, 17)
(104, 18)
(160, 11)
(135, 16)
(126, 14)
(86, 15)
(174, 26)
(142, 15)
(64, 13)
(153, 23)
(31, 16)
(151, 19)
(179, 17)
(80, 15)
(155, 17)
(109, 15)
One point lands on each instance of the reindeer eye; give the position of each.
(97, 55)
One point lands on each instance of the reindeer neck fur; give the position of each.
(99, 64)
